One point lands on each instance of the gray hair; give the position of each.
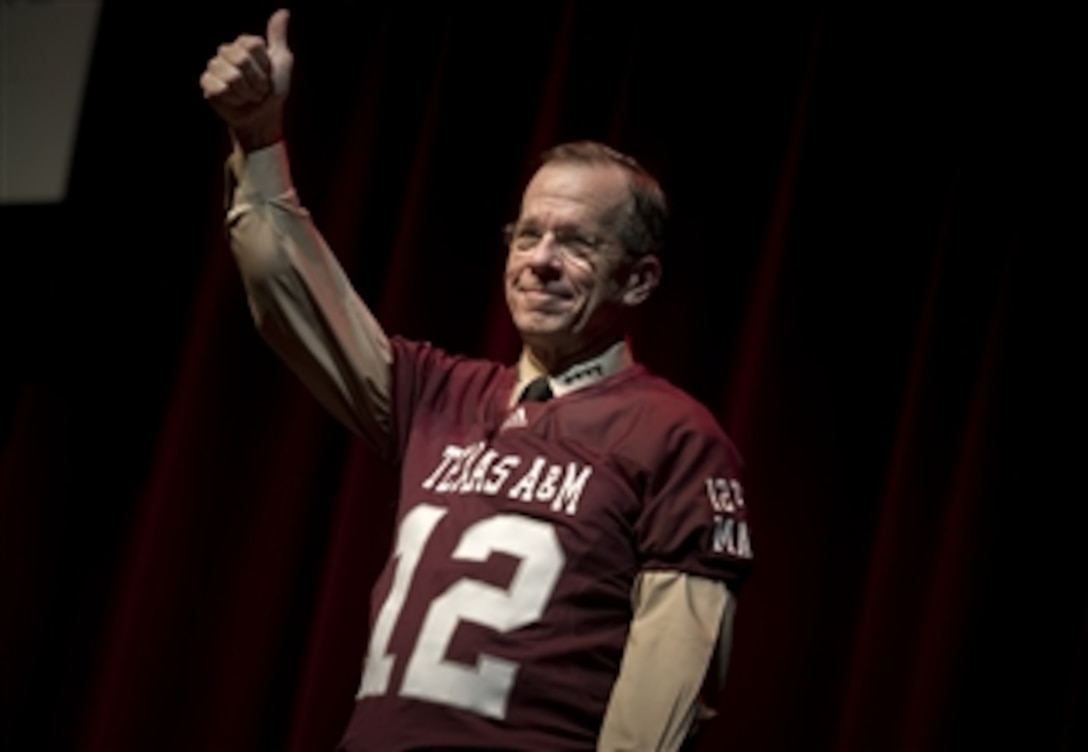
(643, 228)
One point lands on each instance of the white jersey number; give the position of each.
(482, 688)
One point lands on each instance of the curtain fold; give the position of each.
(867, 279)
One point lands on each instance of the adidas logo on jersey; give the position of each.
(516, 419)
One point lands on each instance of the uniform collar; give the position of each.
(590, 371)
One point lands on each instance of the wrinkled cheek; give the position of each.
(509, 286)
(514, 268)
(577, 314)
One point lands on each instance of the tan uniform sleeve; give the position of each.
(681, 624)
(301, 300)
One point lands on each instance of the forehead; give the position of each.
(576, 192)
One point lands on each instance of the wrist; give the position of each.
(256, 136)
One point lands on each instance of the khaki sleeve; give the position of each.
(301, 300)
(681, 623)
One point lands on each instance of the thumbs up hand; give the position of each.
(247, 81)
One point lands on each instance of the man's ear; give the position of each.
(643, 274)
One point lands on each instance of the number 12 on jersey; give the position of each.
(485, 687)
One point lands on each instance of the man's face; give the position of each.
(567, 278)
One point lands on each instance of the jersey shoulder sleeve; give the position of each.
(694, 516)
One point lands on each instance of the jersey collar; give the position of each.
(613, 360)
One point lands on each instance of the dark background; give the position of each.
(871, 281)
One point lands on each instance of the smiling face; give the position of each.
(568, 281)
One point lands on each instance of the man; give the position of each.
(569, 529)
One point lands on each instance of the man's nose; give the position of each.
(546, 252)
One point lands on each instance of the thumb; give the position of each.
(277, 30)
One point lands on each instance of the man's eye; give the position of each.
(578, 245)
(526, 238)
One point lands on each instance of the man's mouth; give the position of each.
(539, 297)
(543, 291)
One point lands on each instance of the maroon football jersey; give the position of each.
(500, 619)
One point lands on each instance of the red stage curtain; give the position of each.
(867, 281)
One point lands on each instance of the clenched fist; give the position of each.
(247, 82)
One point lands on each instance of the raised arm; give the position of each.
(247, 82)
(299, 296)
